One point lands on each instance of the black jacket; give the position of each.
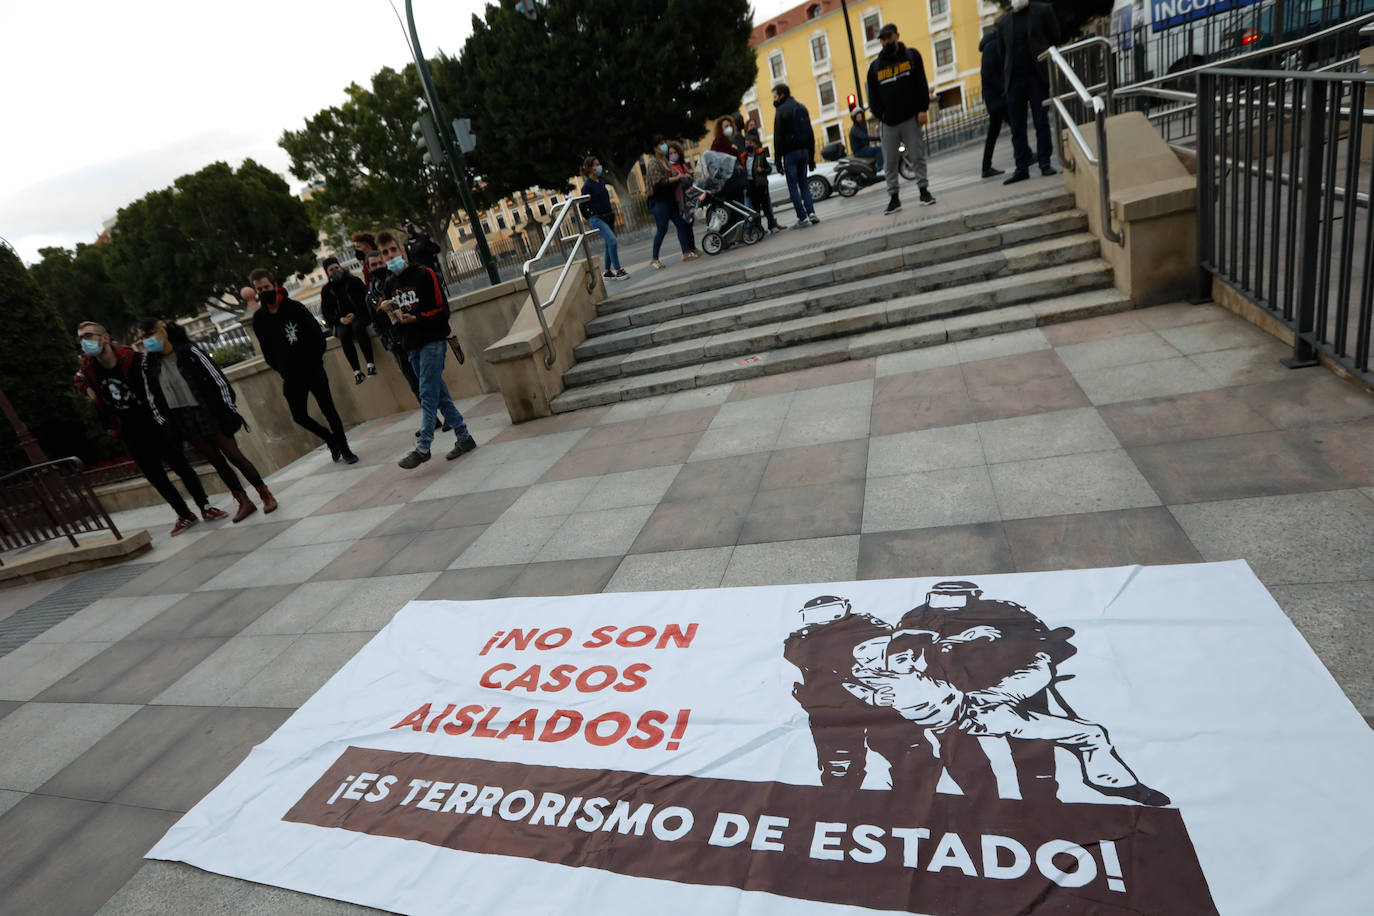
(598, 202)
(376, 292)
(205, 380)
(347, 297)
(421, 249)
(859, 138)
(897, 87)
(417, 291)
(291, 339)
(1042, 32)
(994, 89)
(792, 130)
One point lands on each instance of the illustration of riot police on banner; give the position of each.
(832, 644)
(962, 670)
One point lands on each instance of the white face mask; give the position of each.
(1019, 5)
(728, 131)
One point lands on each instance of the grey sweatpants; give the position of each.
(908, 132)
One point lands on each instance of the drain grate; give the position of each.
(40, 616)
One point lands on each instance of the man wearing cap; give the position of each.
(343, 306)
(1024, 33)
(832, 646)
(899, 96)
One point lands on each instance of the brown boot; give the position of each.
(246, 507)
(269, 502)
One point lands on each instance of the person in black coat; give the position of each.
(994, 96)
(188, 393)
(1024, 33)
(343, 306)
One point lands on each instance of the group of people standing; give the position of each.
(1015, 78)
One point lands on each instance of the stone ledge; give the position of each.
(1171, 195)
(59, 558)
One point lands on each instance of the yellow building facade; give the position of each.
(807, 48)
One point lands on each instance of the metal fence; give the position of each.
(953, 129)
(48, 501)
(1284, 183)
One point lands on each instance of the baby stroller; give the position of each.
(719, 188)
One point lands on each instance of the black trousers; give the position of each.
(996, 118)
(759, 200)
(348, 334)
(149, 447)
(296, 388)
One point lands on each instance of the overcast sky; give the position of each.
(108, 101)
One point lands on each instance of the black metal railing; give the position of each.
(1284, 184)
(48, 501)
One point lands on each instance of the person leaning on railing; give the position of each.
(111, 375)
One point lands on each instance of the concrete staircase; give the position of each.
(1017, 264)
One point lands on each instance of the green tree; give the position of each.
(365, 168)
(78, 285)
(41, 358)
(597, 78)
(176, 249)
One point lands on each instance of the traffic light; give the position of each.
(853, 102)
(427, 138)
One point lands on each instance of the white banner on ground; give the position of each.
(1151, 740)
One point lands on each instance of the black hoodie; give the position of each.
(291, 339)
(994, 89)
(897, 88)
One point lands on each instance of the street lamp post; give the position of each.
(452, 153)
(853, 59)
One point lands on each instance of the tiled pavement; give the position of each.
(1167, 435)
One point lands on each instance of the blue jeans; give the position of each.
(607, 236)
(871, 152)
(794, 167)
(665, 213)
(428, 363)
(1026, 90)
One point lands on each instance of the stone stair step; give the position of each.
(992, 215)
(671, 343)
(976, 309)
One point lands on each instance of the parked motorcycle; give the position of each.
(854, 173)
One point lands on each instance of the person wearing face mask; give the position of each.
(795, 151)
(597, 211)
(725, 140)
(899, 96)
(188, 393)
(293, 344)
(418, 309)
(755, 161)
(343, 306)
(111, 375)
(386, 331)
(1024, 33)
(664, 184)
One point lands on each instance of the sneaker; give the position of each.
(348, 456)
(1047, 170)
(358, 377)
(608, 275)
(801, 223)
(371, 369)
(621, 274)
(182, 524)
(413, 459)
(211, 514)
(814, 218)
(926, 198)
(464, 445)
(1018, 175)
(893, 205)
(990, 172)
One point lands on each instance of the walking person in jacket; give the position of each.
(664, 183)
(293, 344)
(899, 96)
(1026, 32)
(794, 152)
(994, 96)
(418, 310)
(111, 375)
(188, 393)
(343, 306)
(599, 215)
(864, 145)
(755, 160)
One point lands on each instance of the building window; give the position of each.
(832, 133)
(873, 21)
(501, 221)
(755, 118)
(951, 99)
(776, 66)
(944, 54)
(543, 210)
(813, 11)
(939, 9)
(486, 227)
(826, 90)
(463, 233)
(820, 49)
(554, 200)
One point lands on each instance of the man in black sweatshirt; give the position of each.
(417, 307)
(293, 344)
(343, 306)
(899, 96)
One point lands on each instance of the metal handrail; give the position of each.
(1099, 110)
(1110, 50)
(579, 239)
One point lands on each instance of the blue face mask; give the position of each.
(599, 170)
(152, 345)
(92, 347)
(663, 148)
(396, 264)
